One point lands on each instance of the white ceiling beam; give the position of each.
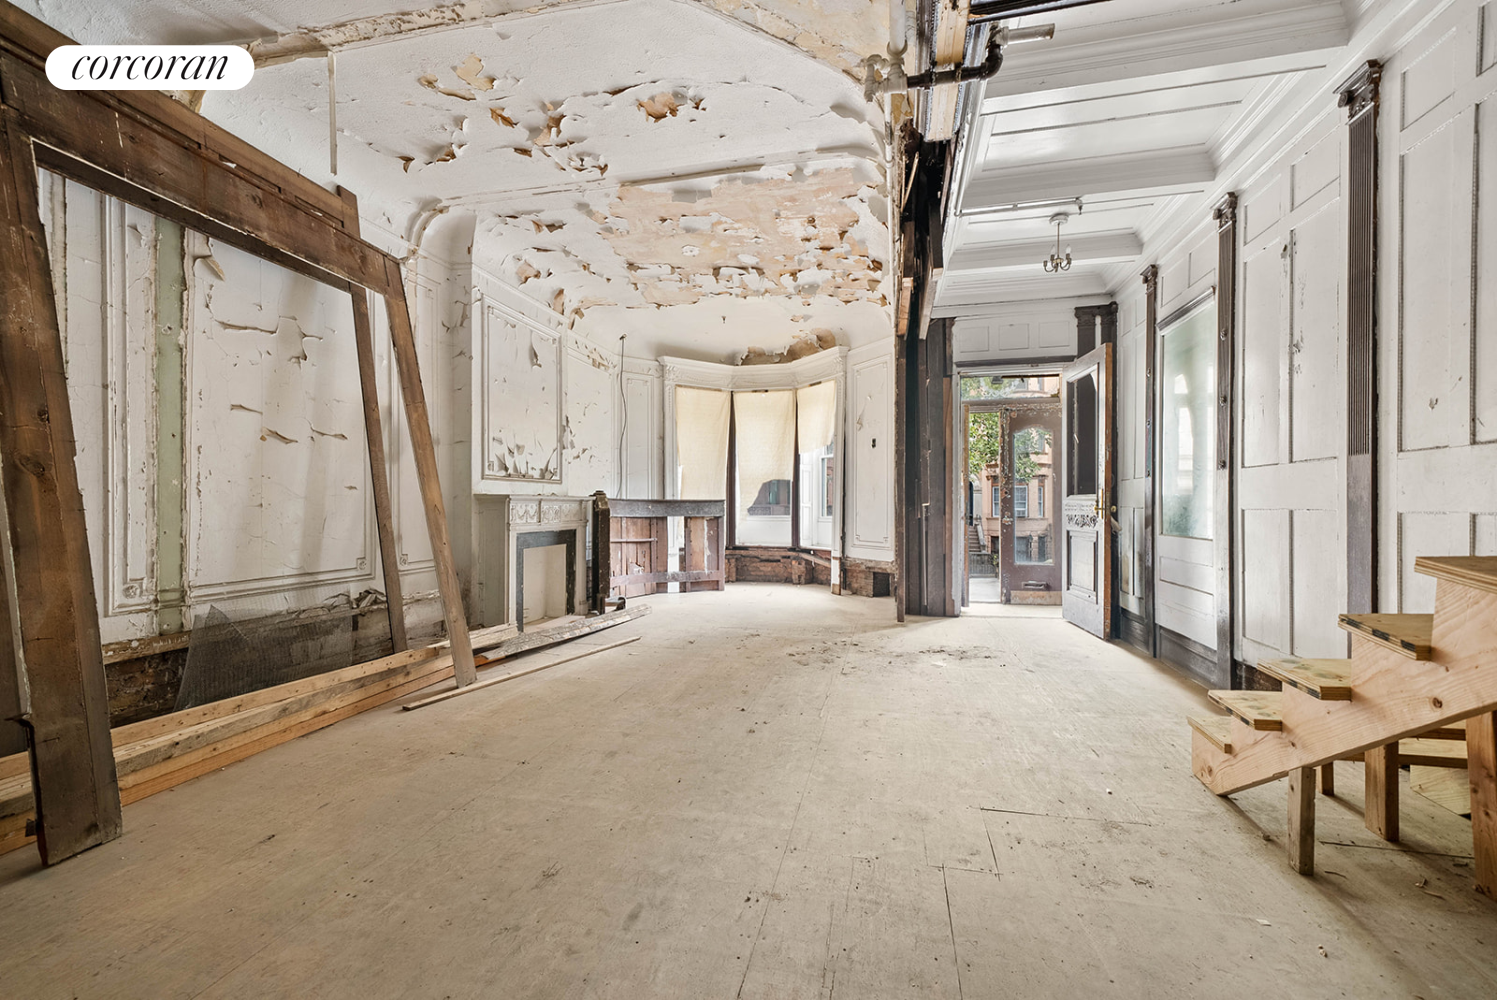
(1150, 170)
(1091, 248)
(1181, 41)
(965, 300)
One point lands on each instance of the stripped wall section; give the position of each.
(272, 503)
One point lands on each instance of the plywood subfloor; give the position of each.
(775, 794)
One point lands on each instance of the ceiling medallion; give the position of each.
(1056, 263)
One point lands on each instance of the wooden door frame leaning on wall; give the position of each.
(150, 151)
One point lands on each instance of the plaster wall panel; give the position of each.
(520, 415)
(641, 428)
(1266, 579)
(1262, 206)
(1484, 535)
(1436, 241)
(1484, 270)
(1317, 378)
(1317, 169)
(1263, 355)
(277, 468)
(1317, 552)
(1435, 359)
(103, 252)
(1428, 534)
(870, 435)
(590, 441)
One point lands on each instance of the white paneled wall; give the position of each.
(870, 447)
(1292, 357)
(1438, 301)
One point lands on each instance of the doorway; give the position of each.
(1011, 452)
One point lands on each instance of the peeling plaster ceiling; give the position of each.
(612, 156)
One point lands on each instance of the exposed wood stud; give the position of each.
(1481, 771)
(72, 763)
(1380, 812)
(1302, 820)
(374, 437)
(419, 427)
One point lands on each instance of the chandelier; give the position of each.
(1056, 263)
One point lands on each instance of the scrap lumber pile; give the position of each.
(160, 753)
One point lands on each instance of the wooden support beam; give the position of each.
(446, 695)
(1481, 769)
(424, 452)
(72, 765)
(1302, 820)
(1328, 778)
(1380, 812)
(374, 437)
(602, 552)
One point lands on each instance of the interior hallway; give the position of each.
(775, 793)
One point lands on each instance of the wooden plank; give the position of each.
(602, 555)
(1328, 680)
(422, 450)
(586, 626)
(1479, 572)
(1443, 754)
(1258, 710)
(1302, 820)
(106, 145)
(1407, 634)
(1447, 787)
(374, 438)
(1481, 769)
(32, 40)
(446, 695)
(1380, 811)
(76, 791)
(1216, 728)
(667, 508)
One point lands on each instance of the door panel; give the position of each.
(1087, 402)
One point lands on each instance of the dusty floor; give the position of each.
(777, 793)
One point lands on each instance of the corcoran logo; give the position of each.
(149, 67)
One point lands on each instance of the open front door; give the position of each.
(1087, 413)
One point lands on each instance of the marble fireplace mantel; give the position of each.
(509, 525)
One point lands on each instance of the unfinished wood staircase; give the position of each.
(1414, 683)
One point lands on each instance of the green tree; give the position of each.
(1028, 443)
(984, 441)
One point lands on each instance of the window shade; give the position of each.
(765, 426)
(816, 412)
(702, 443)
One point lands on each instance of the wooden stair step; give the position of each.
(1328, 680)
(1255, 709)
(1432, 753)
(1479, 572)
(1406, 634)
(1216, 728)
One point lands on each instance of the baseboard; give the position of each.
(1134, 631)
(1192, 659)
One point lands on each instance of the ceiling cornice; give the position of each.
(1164, 44)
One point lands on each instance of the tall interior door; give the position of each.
(1087, 415)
